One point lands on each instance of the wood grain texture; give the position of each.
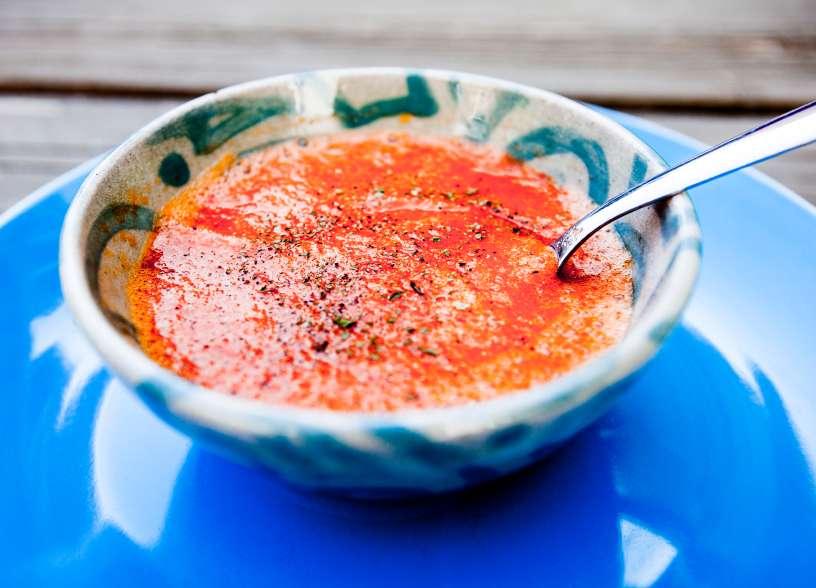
(734, 53)
(42, 137)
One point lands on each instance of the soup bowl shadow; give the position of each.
(409, 453)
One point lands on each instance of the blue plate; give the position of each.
(702, 475)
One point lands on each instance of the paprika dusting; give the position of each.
(375, 273)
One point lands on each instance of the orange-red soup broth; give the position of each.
(374, 273)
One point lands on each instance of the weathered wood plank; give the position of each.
(751, 53)
(41, 137)
(435, 16)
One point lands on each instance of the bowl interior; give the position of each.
(579, 149)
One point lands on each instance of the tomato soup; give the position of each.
(375, 273)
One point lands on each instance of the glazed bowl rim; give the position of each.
(255, 417)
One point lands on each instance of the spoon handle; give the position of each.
(785, 133)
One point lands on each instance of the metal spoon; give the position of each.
(785, 133)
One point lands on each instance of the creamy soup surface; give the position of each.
(375, 273)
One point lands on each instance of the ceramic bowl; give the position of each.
(376, 455)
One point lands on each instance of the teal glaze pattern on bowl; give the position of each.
(376, 455)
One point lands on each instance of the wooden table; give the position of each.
(78, 76)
